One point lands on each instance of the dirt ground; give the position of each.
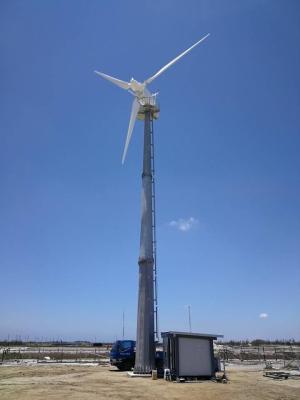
(55, 382)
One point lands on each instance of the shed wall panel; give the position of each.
(194, 357)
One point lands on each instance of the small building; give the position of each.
(189, 355)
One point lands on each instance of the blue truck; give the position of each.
(122, 355)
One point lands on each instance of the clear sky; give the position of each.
(227, 166)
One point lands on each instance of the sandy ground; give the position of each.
(55, 382)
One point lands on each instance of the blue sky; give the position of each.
(227, 166)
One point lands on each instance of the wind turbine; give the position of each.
(145, 107)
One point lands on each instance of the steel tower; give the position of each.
(147, 293)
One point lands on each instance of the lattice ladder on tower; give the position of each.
(155, 305)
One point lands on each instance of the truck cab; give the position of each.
(122, 354)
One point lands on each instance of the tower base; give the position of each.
(133, 374)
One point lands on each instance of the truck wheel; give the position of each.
(125, 367)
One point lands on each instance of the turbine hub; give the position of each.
(136, 86)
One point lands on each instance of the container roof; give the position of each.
(189, 334)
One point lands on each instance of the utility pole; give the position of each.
(190, 321)
(123, 331)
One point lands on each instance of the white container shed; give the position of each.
(189, 354)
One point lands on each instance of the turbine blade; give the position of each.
(134, 111)
(118, 82)
(149, 80)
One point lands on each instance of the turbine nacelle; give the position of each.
(139, 90)
(137, 87)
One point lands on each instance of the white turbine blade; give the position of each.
(118, 82)
(134, 111)
(149, 80)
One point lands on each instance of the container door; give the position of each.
(194, 357)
